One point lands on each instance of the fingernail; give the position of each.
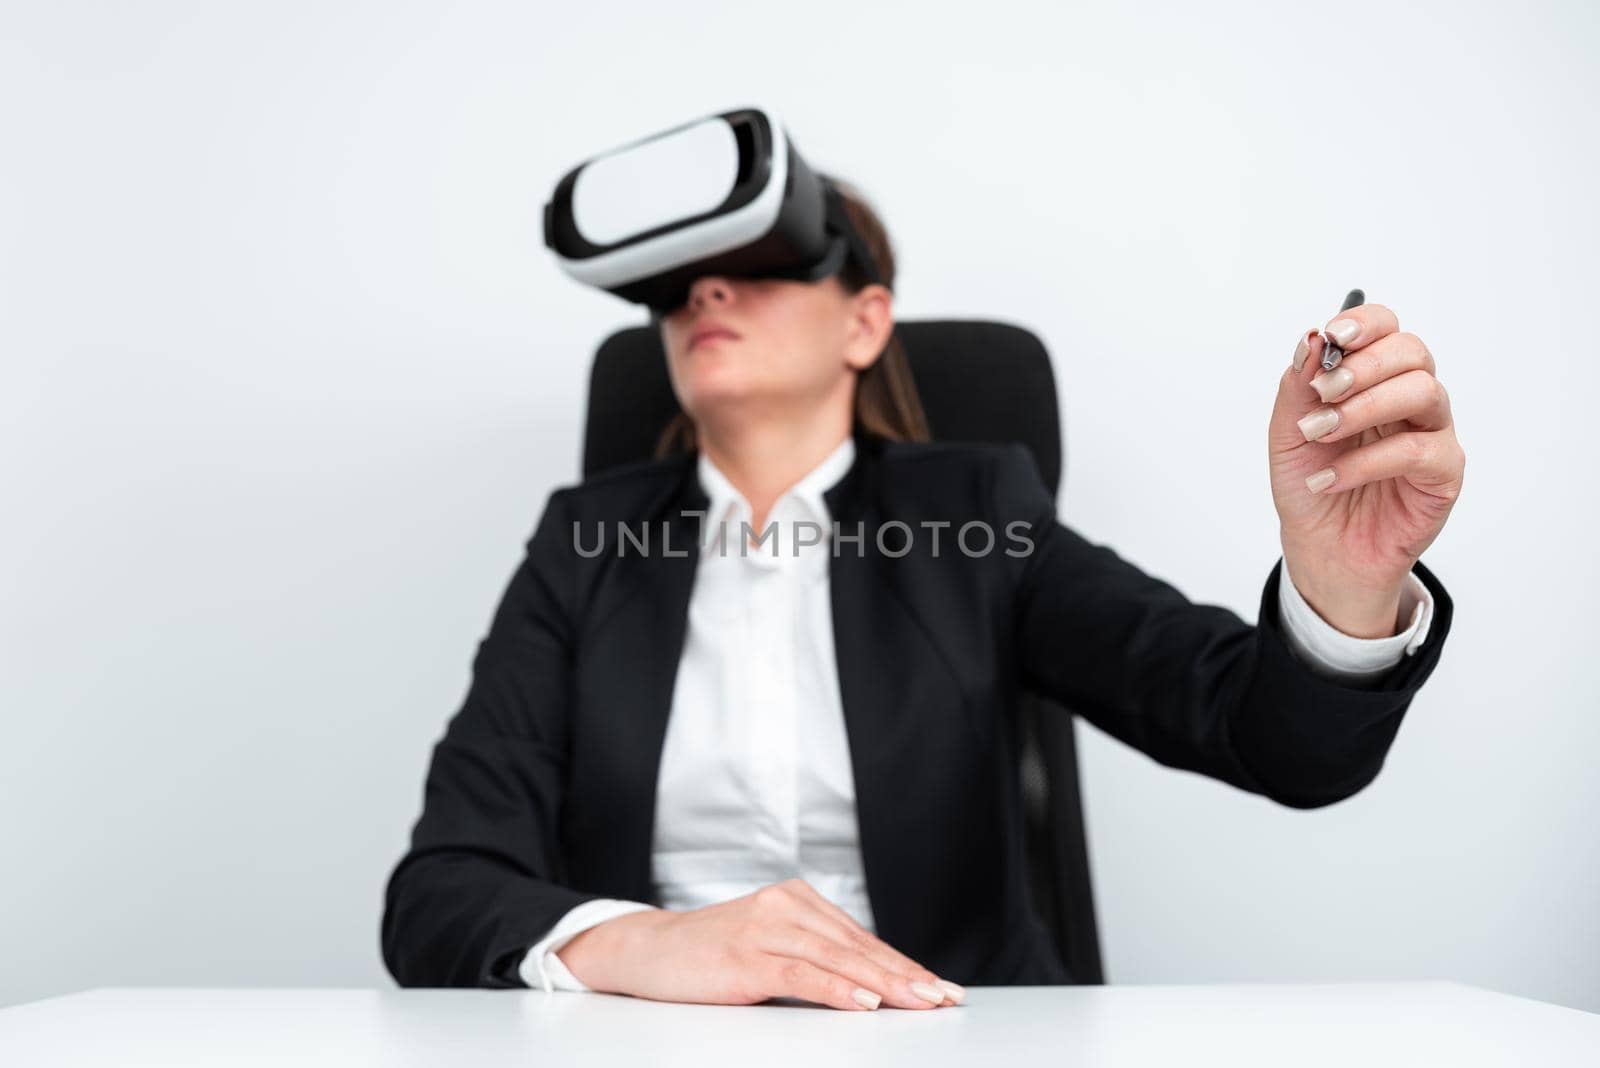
(1332, 383)
(1320, 481)
(1301, 351)
(955, 990)
(866, 998)
(1343, 331)
(927, 993)
(1318, 423)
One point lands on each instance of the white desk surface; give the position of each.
(1087, 1027)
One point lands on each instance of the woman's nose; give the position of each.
(711, 289)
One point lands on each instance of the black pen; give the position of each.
(1331, 353)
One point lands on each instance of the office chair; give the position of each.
(631, 400)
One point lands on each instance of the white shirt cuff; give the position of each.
(1336, 654)
(541, 969)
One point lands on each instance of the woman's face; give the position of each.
(770, 345)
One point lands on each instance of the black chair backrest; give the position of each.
(982, 382)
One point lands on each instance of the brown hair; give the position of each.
(886, 400)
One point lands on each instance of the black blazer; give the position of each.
(541, 793)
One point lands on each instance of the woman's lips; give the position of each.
(712, 335)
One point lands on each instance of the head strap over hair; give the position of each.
(839, 221)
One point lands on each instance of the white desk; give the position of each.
(1085, 1027)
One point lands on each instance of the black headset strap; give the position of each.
(839, 222)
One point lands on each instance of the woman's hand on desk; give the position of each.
(783, 940)
(1380, 424)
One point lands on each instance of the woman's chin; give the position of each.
(713, 388)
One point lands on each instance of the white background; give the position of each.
(288, 377)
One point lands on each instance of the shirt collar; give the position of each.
(807, 493)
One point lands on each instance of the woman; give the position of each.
(740, 762)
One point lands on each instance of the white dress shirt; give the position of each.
(756, 784)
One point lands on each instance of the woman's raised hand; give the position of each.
(1365, 467)
(783, 940)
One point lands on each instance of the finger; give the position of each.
(1300, 394)
(791, 977)
(1361, 326)
(854, 932)
(1308, 350)
(903, 986)
(838, 924)
(839, 959)
(1295, 396)
(1431, 459)
(1385, 358)
(1415, 397)
(796, 903)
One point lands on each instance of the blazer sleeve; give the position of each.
(481, 881)
(1193, 685)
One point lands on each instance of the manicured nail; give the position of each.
(1331, 384)
(927, 993)
(1319, 422)
(866, 998)
(1320, 481)
(1343, 331)
(1301, 351)
(955, 990)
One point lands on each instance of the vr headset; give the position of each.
(728, 194)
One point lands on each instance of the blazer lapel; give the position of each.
(667, 586)
(627, 691)
(672, 582)
(867, 617)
